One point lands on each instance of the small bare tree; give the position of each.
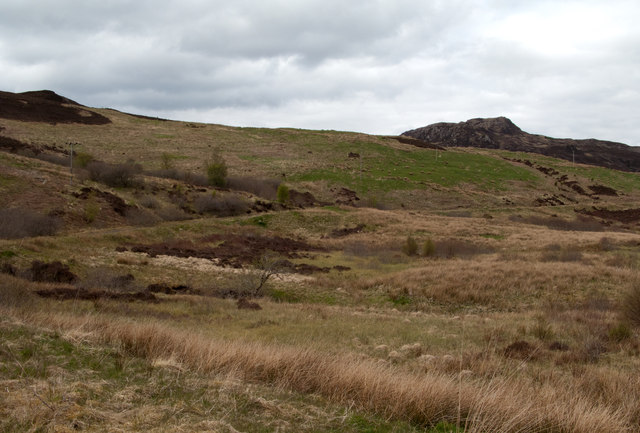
(268, 265)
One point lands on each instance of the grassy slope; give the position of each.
(507, 281)
(387, 172)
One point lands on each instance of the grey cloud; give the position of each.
(375, 66)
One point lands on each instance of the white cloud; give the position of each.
(555, 67)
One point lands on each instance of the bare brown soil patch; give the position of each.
(624, 215)
(233, 250)
(603, 190)
(169, 289)
(245, 304)
(563, 182)
(118, 205)
(345, 196)
(54, 272)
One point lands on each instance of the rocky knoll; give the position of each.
(502, 133)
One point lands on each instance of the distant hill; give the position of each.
(502, 133)
(46, 106)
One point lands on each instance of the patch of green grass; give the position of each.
(618, 180)
(260, 221)
(6, 180)
(7, 254)
(385, 169)
(369, 424)
(399, 300)
(284, 295)
(444, 427)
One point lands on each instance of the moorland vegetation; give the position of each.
(199, 277)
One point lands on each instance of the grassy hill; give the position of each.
(412, 289)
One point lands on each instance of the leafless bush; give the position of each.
(265, 188)
(114, 175)
(183, 176)
(221, 205)
(53, 158)
(22, 223)
(172, 213)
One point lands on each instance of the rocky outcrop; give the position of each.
(502, 133)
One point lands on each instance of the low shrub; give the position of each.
(54, 272)
(265, 188)
(283, 193)
(149, 202)
(53, 158)
(82, 159)
(21, 223)
(166, 160)
(91, 209)
(221, 204)
(172, 213)
(114, 175)
(428, 248)
(182, 176)
(141, 217)
(410, 246)
(217, 170)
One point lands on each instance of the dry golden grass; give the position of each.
(503, 404)
(500, 284)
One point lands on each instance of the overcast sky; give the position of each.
(559, 68)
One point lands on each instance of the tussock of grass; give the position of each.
(501, 405)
